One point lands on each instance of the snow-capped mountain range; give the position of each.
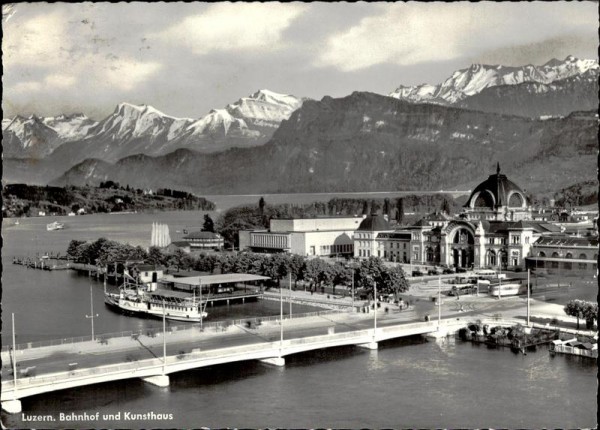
(143, 129)
(62, 143)
(473, 80)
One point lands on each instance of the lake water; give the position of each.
(406, 383)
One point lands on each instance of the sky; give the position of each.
(188, 58)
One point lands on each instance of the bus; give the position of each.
(507, 287)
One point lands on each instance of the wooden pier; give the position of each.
(43, 263)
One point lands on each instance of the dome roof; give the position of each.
(374, 223)
(497, 191)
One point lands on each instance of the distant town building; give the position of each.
(204, 240)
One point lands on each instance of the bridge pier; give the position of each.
(158, 380)
(12, 406)
(370, 345)
(275, 361)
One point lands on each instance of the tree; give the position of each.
(261, 205)
(446, 207)
(590, 314)
(400, 210)
(209, 224)
(155, 256)
(386, 206)
(574, 308)
(75, 249)
(365, 209)
(295, 266)
(388, 280)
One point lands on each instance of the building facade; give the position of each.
(366, 238)
(320, 236)
(564, 253)
(204, 240)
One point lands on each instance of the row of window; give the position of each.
(582, 256)
(566, 265)
(270, 240)
(392, 245)
(336, 249)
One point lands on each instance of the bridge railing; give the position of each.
(139, 366)
(153, 332)
(156, 363)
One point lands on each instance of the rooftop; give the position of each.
(567, 241)
(228, 278)
(374, 223)
(202, 235)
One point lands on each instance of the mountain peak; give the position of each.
(477, 77)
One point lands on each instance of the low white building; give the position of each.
(320, 236)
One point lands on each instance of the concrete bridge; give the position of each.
(238, 344)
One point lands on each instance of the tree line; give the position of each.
(249, 217)
(23, 200)
(314, 273)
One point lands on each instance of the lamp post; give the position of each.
(164, 337)
(14, 358)
(439, 301)
(281, 320)
(499, 277)
(375, 313)
(91, 316)
(528, 294)
(352, 289)
(290, 277)
(201, 309)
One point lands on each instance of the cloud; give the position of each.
(127, 74)
(60, 80)
(40, 41)
(234, 27)
(413, 33)
(26, 87)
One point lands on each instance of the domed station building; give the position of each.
(498, 199)
(495, 230)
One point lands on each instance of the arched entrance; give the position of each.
(462, 247)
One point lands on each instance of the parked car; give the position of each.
(417, 273)
(435, 271)
(461, 270)
(449, 270)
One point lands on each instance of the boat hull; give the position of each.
(143, 308)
